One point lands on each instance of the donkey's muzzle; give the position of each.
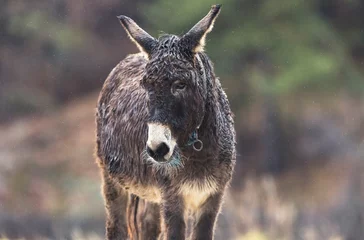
(160, 143)
(159, 153)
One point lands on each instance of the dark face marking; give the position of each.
(172, 82)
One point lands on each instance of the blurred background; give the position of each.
(294, 74)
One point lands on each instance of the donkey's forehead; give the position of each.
(171, 47)
(169, 61)
(167, 42)
(167, 70)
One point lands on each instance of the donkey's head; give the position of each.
(175, 80)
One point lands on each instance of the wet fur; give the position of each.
(195, 182)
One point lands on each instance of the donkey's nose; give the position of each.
(159, 152)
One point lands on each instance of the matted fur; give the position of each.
(136, 92)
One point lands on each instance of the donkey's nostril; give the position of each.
(161, 150)
(150, 152)
(159, 153)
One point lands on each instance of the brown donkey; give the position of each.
(165, 134)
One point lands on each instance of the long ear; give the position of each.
(195, 38)
(141, 38)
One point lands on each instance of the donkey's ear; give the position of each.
(141, 38)
(195, 38)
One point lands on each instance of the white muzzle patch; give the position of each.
(159, 134)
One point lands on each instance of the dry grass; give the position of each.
(266, 210)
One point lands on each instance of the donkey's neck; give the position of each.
(208, 132)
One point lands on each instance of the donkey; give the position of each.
(165, 134)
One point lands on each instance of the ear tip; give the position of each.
(123, 18)
(216, 7)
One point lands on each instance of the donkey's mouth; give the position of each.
(161, 160)
(158, 158)
(174, 158)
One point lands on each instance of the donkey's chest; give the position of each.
(195, 194)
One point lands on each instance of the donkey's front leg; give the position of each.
(204, 224)
(116, 200)
(172, 211)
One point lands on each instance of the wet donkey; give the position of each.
(165, 134)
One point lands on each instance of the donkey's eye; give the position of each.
(179, 86)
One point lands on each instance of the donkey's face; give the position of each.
(176, 100)
(175, 84)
